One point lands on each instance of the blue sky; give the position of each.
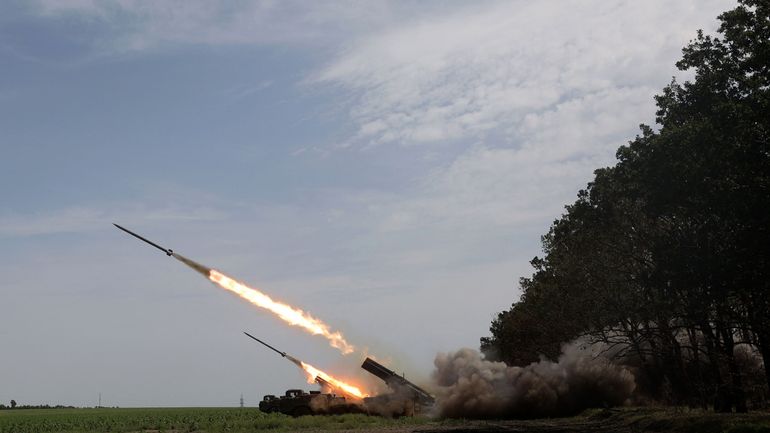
(388, 167)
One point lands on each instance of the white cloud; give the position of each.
(492, 190)
(547, 91)
(481, 69)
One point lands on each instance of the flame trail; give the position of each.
(292, 316)
(316, 375)
(313, 373)
(289, 314)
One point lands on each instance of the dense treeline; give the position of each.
(665, 257)
(39, 406)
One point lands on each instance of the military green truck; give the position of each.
(296, 402)
(405, 398)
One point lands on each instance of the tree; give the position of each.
(665, 257)
(13, 404)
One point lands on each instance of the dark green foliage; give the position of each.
(181, 419)
(665, 257)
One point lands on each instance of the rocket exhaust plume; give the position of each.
(291, 315)
(203, 270)
(315, 375)
(345, 388)
(468, 386)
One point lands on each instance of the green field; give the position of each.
(181, 420)
(211, 420)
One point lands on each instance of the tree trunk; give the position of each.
(672, 363)
(737, 393)
(763, 339)
(692, 334)
(721, 399)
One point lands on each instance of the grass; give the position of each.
(209, 420)
(682, 420)
(215, 420)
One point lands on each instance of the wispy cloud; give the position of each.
(546, 90)
(241, 92)
(138, 25)
(479, 70)
(77, 219)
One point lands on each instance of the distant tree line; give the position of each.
(13, 405)
(665, 257)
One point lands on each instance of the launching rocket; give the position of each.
(204, 270)
(267, 345)
(316, 375)
(296, 361)
(168, 251)
(288, 313)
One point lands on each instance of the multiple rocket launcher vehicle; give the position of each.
(405, 397)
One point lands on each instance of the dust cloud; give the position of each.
(468, 386)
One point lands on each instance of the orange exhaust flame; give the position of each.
(313, 373)
(291, 315)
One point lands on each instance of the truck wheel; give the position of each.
(301, 411)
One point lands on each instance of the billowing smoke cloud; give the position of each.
(468, 386)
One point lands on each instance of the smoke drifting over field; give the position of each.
(469, 386)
